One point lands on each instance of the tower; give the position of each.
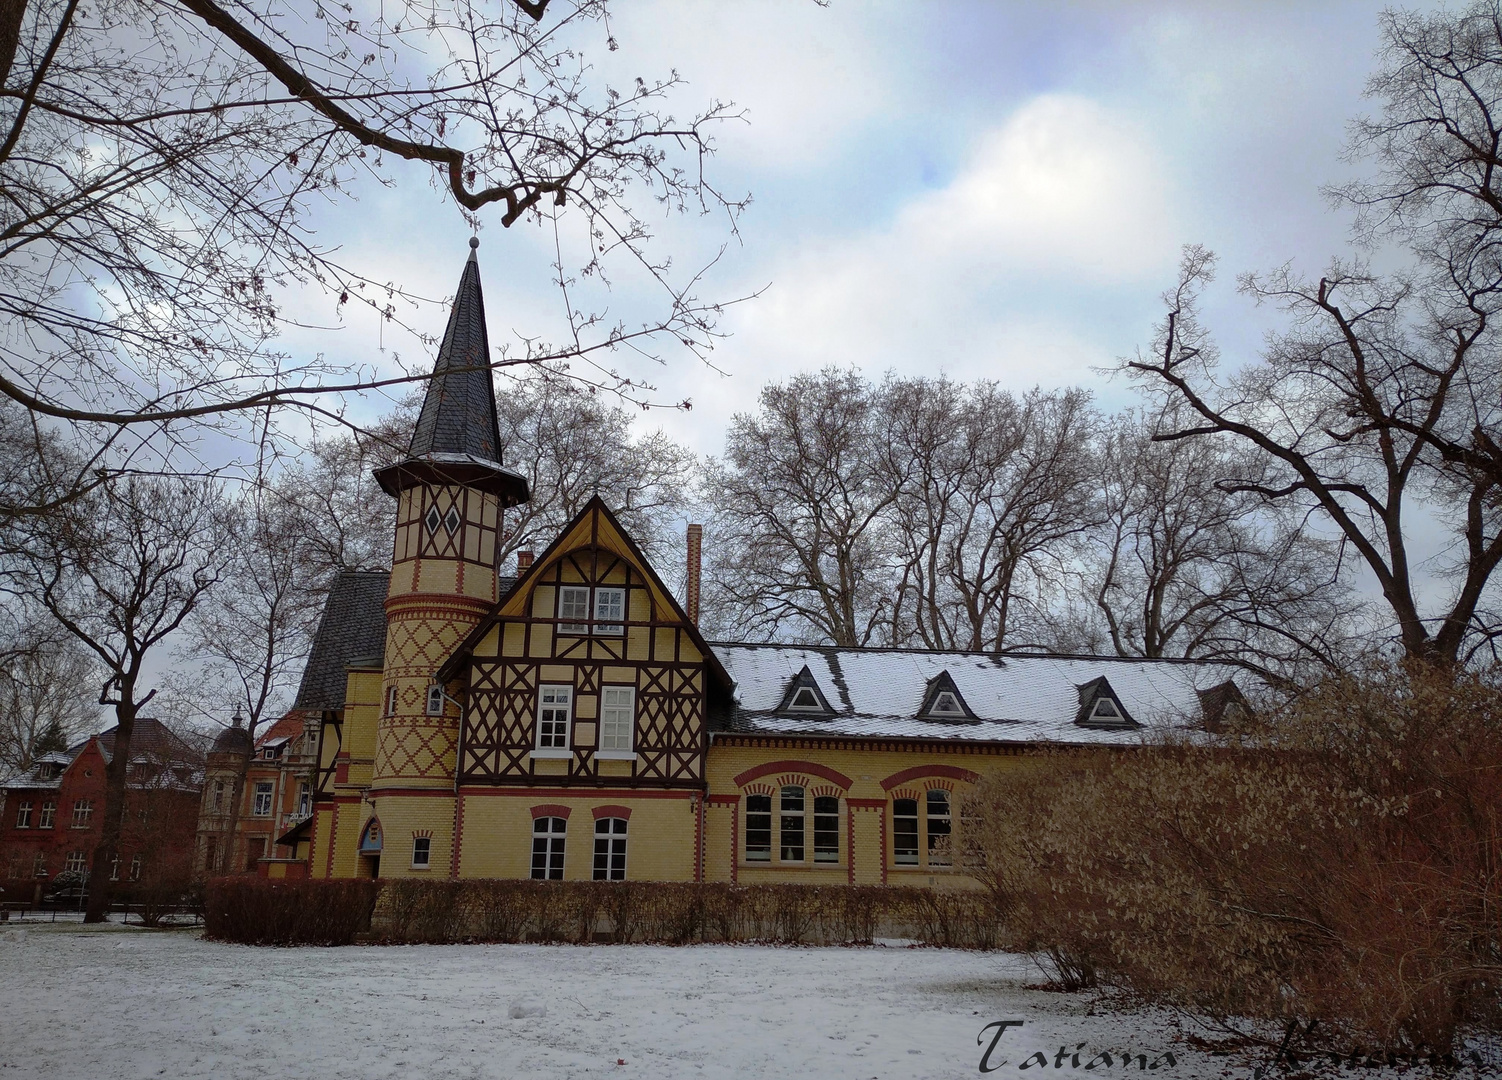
(451, 490)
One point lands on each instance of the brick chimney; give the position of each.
(523, 561)
(691, 583)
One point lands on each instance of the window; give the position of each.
(826, 829)
(946, 704)
(218, 795)
(792, 824)
(758, 828)
(23, 814)
(391, 701)
(135, 867)
(432, 519)
(617, 719)
(115, 866)
(554, 704)
(573, 603)
(74, 862)
(83, 810)
(304, 799)
(1105, 709)
(261, 807)
(905, 832)
(547, 848)
(610, 611)
(49, 810)
(939, 853)
(422, 849)
(805, 698)
(255, 851)
(39, 865)
(210, 853)
(610, 849)
(435, 700)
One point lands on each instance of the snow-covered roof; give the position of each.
(878, 693)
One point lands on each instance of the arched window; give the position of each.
(792, 824)
(939, 853)
(758, 828)
(826, 829)
(610, 849)
(905, 832)
(547, 848)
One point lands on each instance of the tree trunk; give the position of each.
(12, 13)
(101, 888)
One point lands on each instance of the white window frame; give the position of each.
(612, 833)
(813, 706)
(218, 796)
(436, 698)
(613, 745)
(422, 846)
(115, 867)
(568, 595)
(23, 814)
(262, 788)
(554, 842)
(567, 704)
(304, 799)
(135, 867)
(76, 861)
(1116, 716)
(603, 595)
(954, 708)
(83, 812)
(391, 700)
(48, 814)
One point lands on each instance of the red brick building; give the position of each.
(52, 815)
(256, 798)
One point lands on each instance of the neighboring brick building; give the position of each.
(253, 795)
(52, 815)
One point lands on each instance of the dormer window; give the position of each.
(804, 697)
(942, 701)
(1101, 707)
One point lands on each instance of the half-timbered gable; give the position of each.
(588, 672)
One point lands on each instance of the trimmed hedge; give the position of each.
(427, 911)
(254, 911)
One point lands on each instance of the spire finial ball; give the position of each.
(474, 242)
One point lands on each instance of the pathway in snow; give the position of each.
(134, 1004)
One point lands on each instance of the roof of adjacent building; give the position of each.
(151, 741)
(288, 727)
(458, 412)
(353, 628)
(878, 693)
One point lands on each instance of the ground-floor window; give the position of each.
(791, 805)
(939, 821)
(547, 848)
(758, 828)
(905, 832)
(115, 867)
(135, 867)
(39, 864)
(923, 830)
(610, 849)
(75, 862)
(826, 829)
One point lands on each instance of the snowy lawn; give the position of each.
(128, 1003)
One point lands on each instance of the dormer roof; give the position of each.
(1101, 707)
(942, 701)
(804, 696)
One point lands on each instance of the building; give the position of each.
(51, 816)
(571, 722)
(253, 793)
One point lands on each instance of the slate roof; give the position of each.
(458, 413)
(877, 693)
(148, 739)
(353, 628)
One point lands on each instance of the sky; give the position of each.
(988, 190)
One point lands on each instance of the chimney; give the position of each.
(691, 583)
(523, 562)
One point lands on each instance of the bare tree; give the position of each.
(160, 159)
(993, 492)
(1182, 567)
(48, 687)
(120, 570)
(571, 445)
(1379, 407)
(800, 502)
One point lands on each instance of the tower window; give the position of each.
(610, 849)
(758, 828)
(435, 700)
(391, 701)
(432, 519)
(547, 848)
(218, 803)
(451, 520)
(422, 849)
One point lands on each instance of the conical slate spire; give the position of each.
(458, 413)
(457, 439)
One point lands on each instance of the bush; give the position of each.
(1335, 868)
(254, 911)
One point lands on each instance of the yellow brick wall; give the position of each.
(404, 817)
(497, 837)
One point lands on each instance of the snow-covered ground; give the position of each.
(127, 1003)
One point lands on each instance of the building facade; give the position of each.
(571, 722)
(51, 816)
(254, 794)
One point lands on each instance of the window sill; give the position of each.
(552, 755)
(615, 755)
(422, 868)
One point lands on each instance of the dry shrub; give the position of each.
(254, 911)
(1337, 864)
